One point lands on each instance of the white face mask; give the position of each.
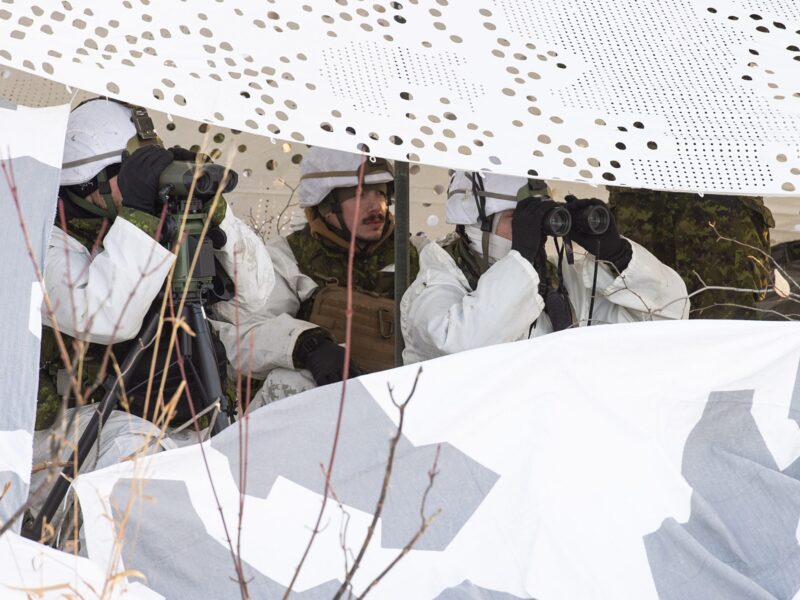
(498, 246)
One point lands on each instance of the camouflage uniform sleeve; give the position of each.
(147, 223)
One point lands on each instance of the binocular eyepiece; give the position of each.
(593, 219)
(209, 179)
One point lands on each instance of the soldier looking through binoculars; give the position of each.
(492, 282)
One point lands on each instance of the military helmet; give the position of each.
(473, 197)
(324, 170)
(98, 132)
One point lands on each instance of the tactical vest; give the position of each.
(373, 329)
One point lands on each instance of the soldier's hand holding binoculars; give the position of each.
(527, 231)
(596, 231)
(138, 178)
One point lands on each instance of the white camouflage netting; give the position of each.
(684, 95)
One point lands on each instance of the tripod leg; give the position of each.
(207, 364)
(104, 409)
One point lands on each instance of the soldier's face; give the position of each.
(368, 223)
(96, 197)
(503, 222)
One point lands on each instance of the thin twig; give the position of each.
(345, 372)
(387, 475)
(425, 522)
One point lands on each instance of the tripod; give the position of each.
(197, 352)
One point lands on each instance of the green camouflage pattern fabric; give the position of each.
(457, 246)
(325, 262)
(219, 212)
(675, 228)
(469, 261)
(89, 357)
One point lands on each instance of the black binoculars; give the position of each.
(559, 220)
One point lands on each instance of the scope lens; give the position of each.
(558, 222)
(597, 219)
(204, 185)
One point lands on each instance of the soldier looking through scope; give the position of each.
(492, 282)
(105, 268)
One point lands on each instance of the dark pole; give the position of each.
(93, 429)
(401, 262)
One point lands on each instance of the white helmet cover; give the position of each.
(499, 191)
(97, 134)
(324, 170)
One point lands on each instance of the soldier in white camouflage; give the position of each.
(293, 345)
(104, 268)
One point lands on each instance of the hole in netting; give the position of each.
(620, 146)
(297, 159)
(406, 96)
(396, 140)
(788, 187)
(219, 138)
(272, 164)
(326, 127)
(495, 160)
(609, 176)
(652, 145)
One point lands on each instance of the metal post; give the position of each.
(401, 260)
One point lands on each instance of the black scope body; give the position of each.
(210, 180)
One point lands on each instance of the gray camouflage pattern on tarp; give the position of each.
(741, 537)
(460, 487)
(37, 186)
(164, 564)
(467, 590)
(276, 449)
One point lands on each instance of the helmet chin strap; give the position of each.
(104, 187)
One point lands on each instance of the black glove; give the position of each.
(185, 155)
(319, 354)
(527, 236)
(138, 178)
(607, 246)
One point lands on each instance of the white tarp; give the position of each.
(30, 570)
(31, 144)
(626, 461)
(685, 95)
